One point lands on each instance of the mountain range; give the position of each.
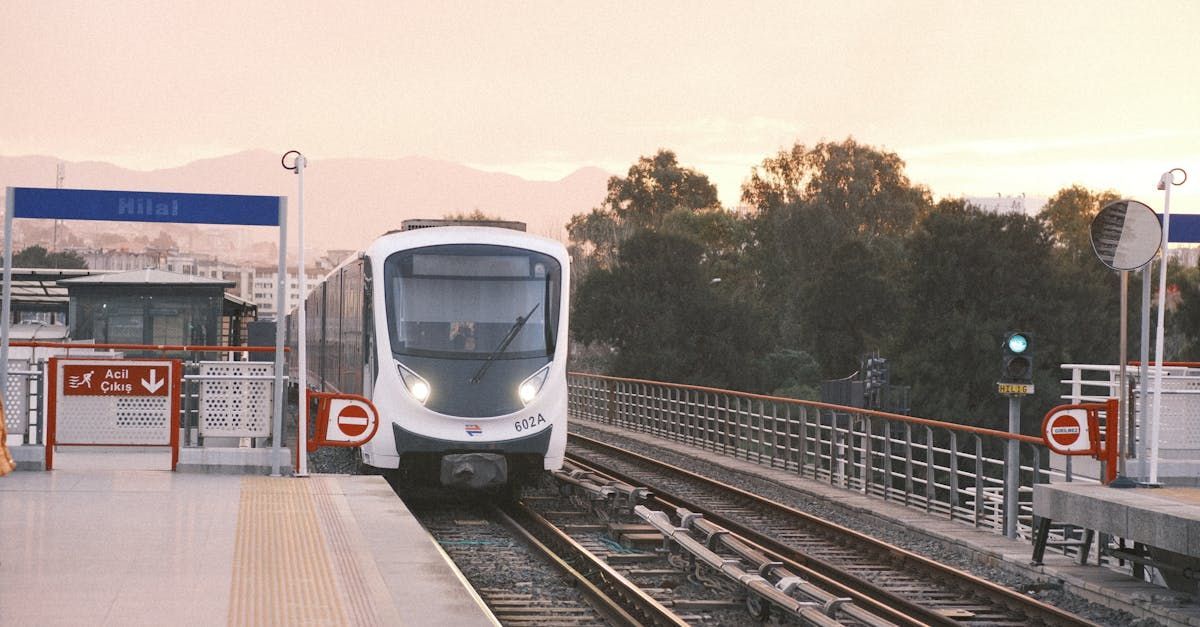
(347, 202)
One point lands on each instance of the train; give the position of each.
(457, 333)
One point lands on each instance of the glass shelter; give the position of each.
(146, 307)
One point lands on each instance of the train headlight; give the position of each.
(530, 387)
(416, 385)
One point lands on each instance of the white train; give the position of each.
(458, 335)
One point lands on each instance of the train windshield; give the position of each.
(473, 302)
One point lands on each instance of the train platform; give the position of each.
(92, 544)
(1098, 584)
(1163, 518)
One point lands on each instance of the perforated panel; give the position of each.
(16, 398)
(113, 420)
(1179, 429)
(231, 408)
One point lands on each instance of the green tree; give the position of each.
(657, 308)
(864, 189)
(654, 187)
(972, 276)
(38, 257)
(826, 247)
(1068, 214)
(594, 239)
(475, 215)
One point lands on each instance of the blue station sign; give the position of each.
(1185, 228)
(134, 206)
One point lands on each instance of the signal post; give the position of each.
(1016, 381)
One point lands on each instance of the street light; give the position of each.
(301, 323)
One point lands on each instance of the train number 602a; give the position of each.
(529, 423)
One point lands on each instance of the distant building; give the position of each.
(266, 280)
(121, 260)
(998, 203)
(1186, 255)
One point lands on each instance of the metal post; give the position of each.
(280, 300)
(301, 333)
(1144, 373)
(1123, 440)
(1164, 184)
(1012, 469)
(9, 202)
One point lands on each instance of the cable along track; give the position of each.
(892, 582)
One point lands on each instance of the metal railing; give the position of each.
(240, 405)
(946, 469)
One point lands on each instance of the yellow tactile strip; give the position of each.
(359, 583)
(282, 572)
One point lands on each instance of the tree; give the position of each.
(863, 188)
(972, 276)
(475, 215)
(826, 246)
(1068, 215)
(658, 310)
(654, 187)
(594, 239)
(38, 257)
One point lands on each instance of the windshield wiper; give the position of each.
(508, 338)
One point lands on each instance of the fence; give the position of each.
(1179, 432)
(942, 468)
(219, 400)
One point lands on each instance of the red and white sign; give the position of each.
(344, 420)
(115, 379)
(353, 420)
(1067, 431)
(113, 402)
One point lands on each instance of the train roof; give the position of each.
(404, 240)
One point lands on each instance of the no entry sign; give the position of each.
(346, 420)
(353, 420)
(1067, 431)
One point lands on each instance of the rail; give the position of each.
(946, 469)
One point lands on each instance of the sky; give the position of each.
(978, 98)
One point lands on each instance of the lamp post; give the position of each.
(1165, 182)
(301, 324)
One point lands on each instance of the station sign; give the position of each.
(115, 379)
(137, 206)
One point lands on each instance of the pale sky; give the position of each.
(978, 98)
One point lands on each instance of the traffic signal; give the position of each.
(1016, 365)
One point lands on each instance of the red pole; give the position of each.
(51, 410)
(1111, 449)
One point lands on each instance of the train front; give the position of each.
(473, 375)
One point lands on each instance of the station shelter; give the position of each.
(155, 307)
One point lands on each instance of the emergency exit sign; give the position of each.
(115, 379)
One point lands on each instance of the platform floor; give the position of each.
(103, 546)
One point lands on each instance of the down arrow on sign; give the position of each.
(154, 383)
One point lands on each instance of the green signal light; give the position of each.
(1018, 343)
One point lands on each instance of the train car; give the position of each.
(458, 335)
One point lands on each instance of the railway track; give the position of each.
(897, 584)
(579, 554)
(529, 572)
